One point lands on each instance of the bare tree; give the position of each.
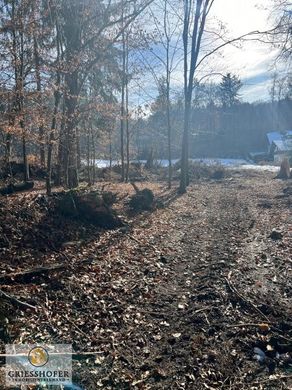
(195, 15)
(163, 61)
(282, 33)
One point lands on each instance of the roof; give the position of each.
(281, 141)
(254, 154)
(274, 136)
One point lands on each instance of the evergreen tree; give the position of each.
(229, 90)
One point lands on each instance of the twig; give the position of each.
(233, 289)
(134, 239)
(26, 274)
(79, 330)
(30, 272)
(273, 378)
(244, 325)
(16, 301)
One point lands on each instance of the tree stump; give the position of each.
(284, 172)
(142, 200)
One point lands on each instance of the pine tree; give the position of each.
(229, 90)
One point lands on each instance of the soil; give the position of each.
(192, 295)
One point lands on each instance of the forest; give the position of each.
(145, 194)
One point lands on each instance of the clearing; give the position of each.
(176, 299)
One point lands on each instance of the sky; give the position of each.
(253, 62)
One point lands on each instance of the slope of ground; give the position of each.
(178, 299)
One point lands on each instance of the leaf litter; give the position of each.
(193, 295)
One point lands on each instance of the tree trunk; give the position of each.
(8, 154)
(71, 84)
(88, 157)
(168, 74)
(168, 135)
(127, 149)
(127, 110)
(52, 135)
(184, 178)
(60, 174)
(199, 14)
(123, 98)
(72, 155)
(24, 153)
(78, 149)
(72, 35)
(39, 96)
(49, 170)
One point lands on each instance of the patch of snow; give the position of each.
(226, 162)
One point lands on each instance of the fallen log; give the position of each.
(11, 188)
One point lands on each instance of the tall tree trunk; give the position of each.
(18, 63)
(168, 73)
(127, 148)
(20, 100)
(110, 153)
(60, 174)
(184, 178)
(57, 99)
(127, 109)
(39, 93)
(93, 157)
(8, 148)
(123, 108)
(25, 162)
(199, 15)
(72, 35)
(78, 149)
(71, 132)
(88, 157)
(168, 131)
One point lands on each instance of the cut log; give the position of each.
(11, 188)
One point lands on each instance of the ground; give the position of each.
(178, 298)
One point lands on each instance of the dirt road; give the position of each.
(183, 283)
(181, 298)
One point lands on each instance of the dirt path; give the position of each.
(176, 301)
(176, 307)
